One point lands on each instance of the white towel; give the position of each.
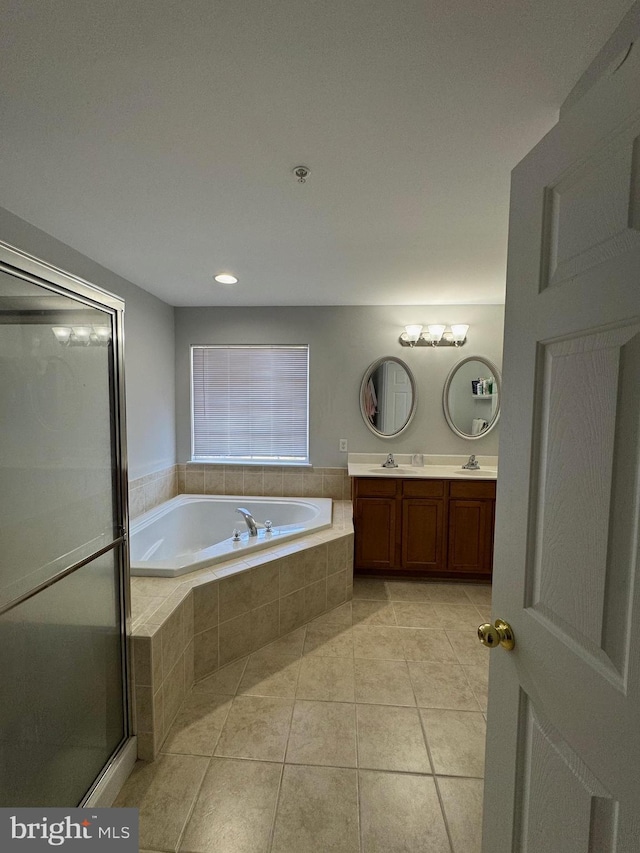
(478, 425)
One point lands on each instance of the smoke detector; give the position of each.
(301, 173)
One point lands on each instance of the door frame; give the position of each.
(22, 265)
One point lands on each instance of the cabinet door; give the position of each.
(423, 534)
(375, 533)
(471, 536)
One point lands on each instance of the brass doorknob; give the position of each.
(498, 634)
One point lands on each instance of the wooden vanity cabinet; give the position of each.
(471, 518)
(375, 517)
(430, 528)
(423, 512)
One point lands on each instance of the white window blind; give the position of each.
(250, 403)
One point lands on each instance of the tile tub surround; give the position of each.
(296, 746)
(147, 492)
(187, 628)
(265, 481)
(192, 478)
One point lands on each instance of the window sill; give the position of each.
(247, 464)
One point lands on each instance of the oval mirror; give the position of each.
(471, 397)
(388, 397)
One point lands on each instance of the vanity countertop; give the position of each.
(435, 467)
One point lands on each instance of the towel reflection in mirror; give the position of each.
(387, 396)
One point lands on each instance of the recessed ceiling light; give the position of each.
(225, 278)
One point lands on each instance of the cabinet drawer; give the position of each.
(374, 487)
(423, 488)
(472, 489)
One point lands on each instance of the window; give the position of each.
(250, 404)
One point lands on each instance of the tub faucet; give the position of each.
(390, 463)
(251, 522)
(472, 464)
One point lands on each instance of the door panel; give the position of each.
(583, 394)
(470, 525)
(590, 214)
(61, 654)
(56, 456)
(64, 712)
(423, 527)
(563, 748)
(565, 807)
(376, 533)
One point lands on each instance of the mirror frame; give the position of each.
(445, 395)
(414, 391)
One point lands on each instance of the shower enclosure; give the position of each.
(64, 707)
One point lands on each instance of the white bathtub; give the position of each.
(190, 532)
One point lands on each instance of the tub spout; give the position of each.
(251, 522)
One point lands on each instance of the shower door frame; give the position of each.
(17, 263)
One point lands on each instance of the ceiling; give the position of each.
(159, 138)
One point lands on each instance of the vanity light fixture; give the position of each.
(436, 336)
(225, 278)
(82, 336)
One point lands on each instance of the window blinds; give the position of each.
(250, 403)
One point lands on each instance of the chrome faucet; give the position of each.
(472, 464)
(390, 463)
(251, 522)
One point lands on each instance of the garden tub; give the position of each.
(191, 532)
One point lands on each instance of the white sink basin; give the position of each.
(433, 471)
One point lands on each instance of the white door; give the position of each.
(563, 744)
(396, 397)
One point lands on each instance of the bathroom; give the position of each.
(402, 754)
(343, 342)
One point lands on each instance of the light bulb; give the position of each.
(62, 333)
(459, 332)
(413, 333)
(435, 332)
(82, 334)
(103, 333)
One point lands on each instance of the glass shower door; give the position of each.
(64, 707)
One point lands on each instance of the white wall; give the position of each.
(343, 342)
(149, 346)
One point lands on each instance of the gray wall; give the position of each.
(343, 342)
(149, 344)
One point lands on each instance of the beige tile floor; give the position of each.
(362, 732)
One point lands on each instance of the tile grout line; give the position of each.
(272, 831)
(295, 698)
(358, 795)
(444, 814)
(272, 834)
(435, 782)
(192, 807)
(235, 694)
(431, 763)
(417, 773)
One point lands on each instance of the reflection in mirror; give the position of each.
(387, 396)
(471, 397)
